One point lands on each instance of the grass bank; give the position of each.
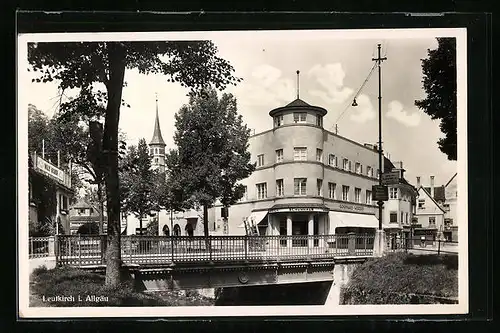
(61, 287)
(401, 278)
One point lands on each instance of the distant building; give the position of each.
(83, 212)
(430, 213)
(400, 209)
(450, 207)
(169, 223)
(42, 173)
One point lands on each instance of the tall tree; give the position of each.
(194, 64)
(212, 152)
(140, 198)
(440, 84)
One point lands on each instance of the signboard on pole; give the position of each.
(389, 178)
(380, 193)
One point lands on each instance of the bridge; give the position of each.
(183, 262)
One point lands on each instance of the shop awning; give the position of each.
(353, 220)
(257, 218)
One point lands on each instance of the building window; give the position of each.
(393, 193)
(63, 204)
(446, 207)
(332, 160)
(421, 203)
(156, 150)
(151, 151)
(432, 220)
(81, 211)
(319, 185)
(345, 164)
(357, 195)
(260, 160)
(280, 189)
(358, 168)
(300, 185)
(299, 117)
(393, 217)
(345, 193)
(156, 160)
(299, 154)
(279, 155)
(402, 216)
(162, 151)
(368, 198)
(278, 121)
(331, 190)
(262, 191)
(319, 155)
(406, 218)
(319, 120)
(369, 171)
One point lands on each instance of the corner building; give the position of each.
(308, 181)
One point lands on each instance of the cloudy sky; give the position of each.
(331, 72)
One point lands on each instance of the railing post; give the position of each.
(130, 248)
(56, 249)
(172, 247)
(351, 243)
(51, 247)
(439, 246)
(79, 250)
(246, 247)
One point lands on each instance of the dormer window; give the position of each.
(299, 117)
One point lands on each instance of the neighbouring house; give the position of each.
(83, 212)
(50, 193)
(430, 213)
(450, 207)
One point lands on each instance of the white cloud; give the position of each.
(331, 78)
(397, 112)
(364, 111)
(265, 88)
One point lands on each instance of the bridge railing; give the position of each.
(144, 250)
(40, 247)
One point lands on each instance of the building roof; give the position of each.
(157, 138)
(451, 179)
(298, 102)
(433, 200)
(299, 204)
(439, 194)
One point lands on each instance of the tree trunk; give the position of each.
(116, 59)
(140, 224)
(101, 221)
(205, 227)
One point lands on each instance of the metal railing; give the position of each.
(422, 246)
(39, 247)
(156, 250)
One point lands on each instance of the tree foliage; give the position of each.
(440, 84)
(212, 154)
(138, 183)
(83, 65)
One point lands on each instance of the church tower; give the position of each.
(157, 145)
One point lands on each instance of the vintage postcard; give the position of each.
(230, 173)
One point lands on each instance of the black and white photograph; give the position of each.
(230, 173)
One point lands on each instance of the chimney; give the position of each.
(418, 182)
(432, 187)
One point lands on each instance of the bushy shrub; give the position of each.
(88, 289)
(401, 278)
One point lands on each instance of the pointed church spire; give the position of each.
(157, 138)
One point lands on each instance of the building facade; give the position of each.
(308, 181)
(450, 207)
(41, 173)
(429, 222)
